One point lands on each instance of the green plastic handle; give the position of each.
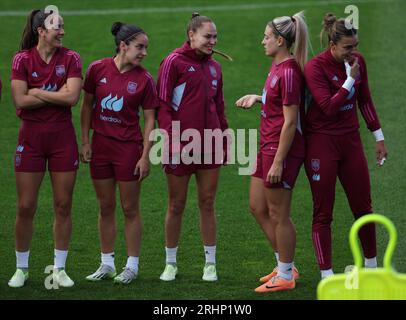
(354, 245)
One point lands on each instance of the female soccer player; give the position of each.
(115, 89)
(45, 83)
(281, 144)
(338, 81)
(191, 95)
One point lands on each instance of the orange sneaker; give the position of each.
(275, 272)
(276, 284)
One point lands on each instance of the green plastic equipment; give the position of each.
(362, 283)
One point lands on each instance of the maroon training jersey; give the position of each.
(283, 87)
(333, 109)
(117, 98)
(191, 91)
(28, 66)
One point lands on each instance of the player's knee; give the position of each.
(130, 211)
(176, 207)
(206, 204)
(259, 212)
(26, 209)
(254, 208)
(274, 214)
(107, 208)
(63, 208)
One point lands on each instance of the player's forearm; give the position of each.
(331, 105)
(285, 141)
(149, 125)
(85, 122)
(28, 102)
(66, 98)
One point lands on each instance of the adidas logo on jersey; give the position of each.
(191, 69)
(335, 78)
(104, 80)
(34, 75)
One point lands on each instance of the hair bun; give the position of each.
(329, 20)
(115, 28)
(195, 14)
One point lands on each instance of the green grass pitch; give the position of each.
(243, 254)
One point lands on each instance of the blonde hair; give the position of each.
(294, 30)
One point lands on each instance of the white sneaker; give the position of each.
(170, 272)
(18, 279)
(60, 277)
(103, 272)
(209, 272)
(126, 276)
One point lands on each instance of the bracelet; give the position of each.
(378, 134)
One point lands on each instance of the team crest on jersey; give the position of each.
(213, 71)
(316, 164)
(60, 70)
(273, 81)
(131, 87)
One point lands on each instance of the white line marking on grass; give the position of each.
(237, 7)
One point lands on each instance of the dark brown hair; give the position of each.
(35, 20)
(124, 32)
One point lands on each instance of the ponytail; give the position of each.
(294, 31)
(35, 20)
(301, 40)
(29, 38)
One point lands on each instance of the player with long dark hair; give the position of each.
(45, 83)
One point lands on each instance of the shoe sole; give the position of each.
(275, 290)
(64, 286)
(166, 279)
(210, 279)
(25, 281)
(17, 286)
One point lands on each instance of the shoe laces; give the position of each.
(127, 274)
(104, 268)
